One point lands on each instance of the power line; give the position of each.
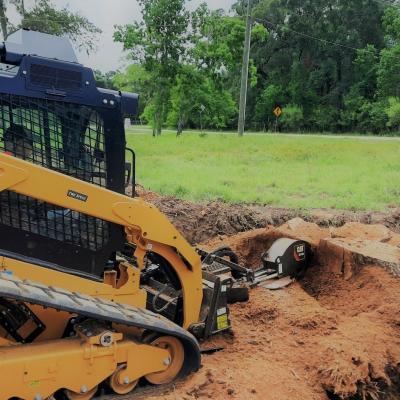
(306, 35)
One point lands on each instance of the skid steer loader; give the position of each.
(73, 309)
(97, 288)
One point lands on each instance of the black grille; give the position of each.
(63, 137)
(56, 78)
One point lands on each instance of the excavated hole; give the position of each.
(355, 313)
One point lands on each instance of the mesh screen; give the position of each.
(64, 137)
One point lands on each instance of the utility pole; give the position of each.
(245, 72)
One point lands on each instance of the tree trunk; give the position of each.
(180, 126)
(160, 117)
(3, 20)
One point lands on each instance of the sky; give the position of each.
(107, 13)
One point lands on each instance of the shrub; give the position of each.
(393, 113)
(292, 118)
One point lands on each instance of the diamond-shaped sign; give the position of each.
(277, 111)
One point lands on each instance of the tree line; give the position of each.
(332, 65)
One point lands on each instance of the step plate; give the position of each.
(27, 291)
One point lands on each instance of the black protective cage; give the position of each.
(82, 141)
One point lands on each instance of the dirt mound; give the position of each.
(361, 353)
(200, 222)
(326, 338)
(332, 336)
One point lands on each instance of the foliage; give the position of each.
(158, 43)
(43, 16)
(270, 97)
(105, 80)
(196, 84)
(393, 113)
(197, 101)
(135, 79)
(324, 118)
(389, 72)
(311, 53)
(292, 118)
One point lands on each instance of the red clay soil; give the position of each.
(331, 336)
(305, 342)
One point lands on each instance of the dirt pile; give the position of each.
(326, 338)
(334, 335)
(200, 222)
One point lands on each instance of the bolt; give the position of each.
(106, 339)
(126, 381)
(84, 389)
(167, 362)
(38, 397)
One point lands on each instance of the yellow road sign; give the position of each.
(277, 111)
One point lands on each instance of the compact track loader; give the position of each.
(97, 288)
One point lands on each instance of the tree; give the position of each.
(197, 100)
(45, 17)
(268, 99)
(5, 24)
(393, 113)
(389, 66)
(292, 118)
(310, 52)
(332, 66)
(105, 80)
(217, 48)
(366, 66)
(389, 72)
(159, 43)
(137, 80)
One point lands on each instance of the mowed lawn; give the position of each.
(279, 170)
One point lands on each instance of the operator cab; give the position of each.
(52, 114)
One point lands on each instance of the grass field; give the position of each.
(280, 170)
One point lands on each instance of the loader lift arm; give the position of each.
(146, 227)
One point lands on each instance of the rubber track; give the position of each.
(27, 291)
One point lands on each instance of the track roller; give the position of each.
(175, 362)
(81, 396)
(118, 385)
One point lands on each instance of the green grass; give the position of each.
(280, 170)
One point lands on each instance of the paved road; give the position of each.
(146, 130)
